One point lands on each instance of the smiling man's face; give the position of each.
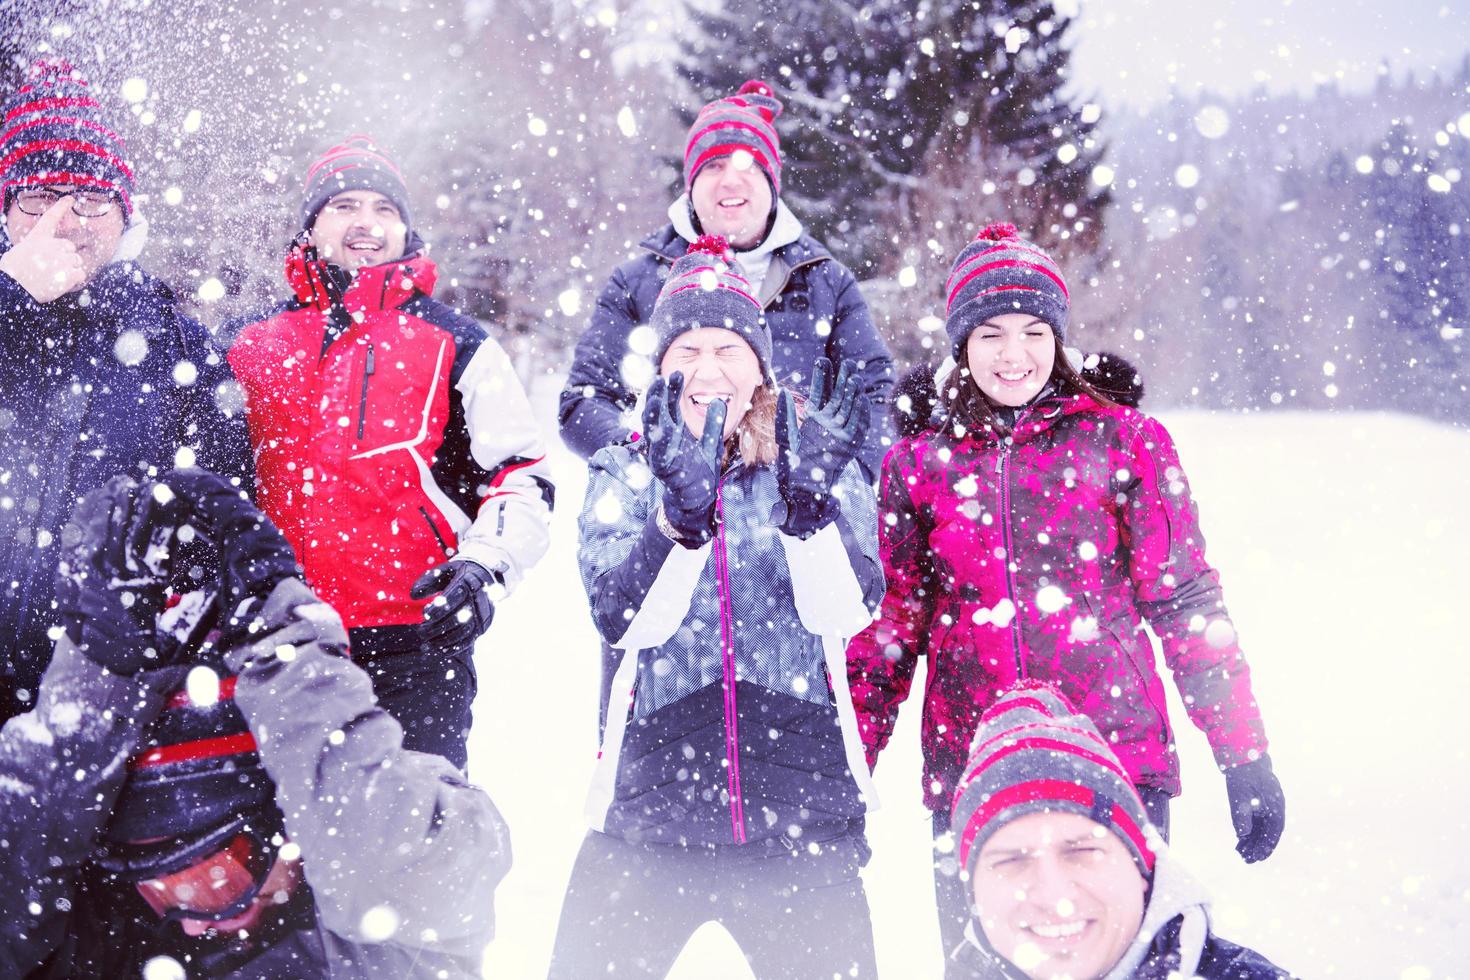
(359, 228)
(732, 197)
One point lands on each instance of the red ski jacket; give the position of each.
(1041, 555)
(400, 441)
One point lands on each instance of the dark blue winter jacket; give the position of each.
(816, 310)
(110, 379)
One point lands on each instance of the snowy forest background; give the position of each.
(1252, 250)
(1259, 248)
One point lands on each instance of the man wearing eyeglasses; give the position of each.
(99, 371)
(207, 787)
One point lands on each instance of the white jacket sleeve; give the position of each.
(511, 528)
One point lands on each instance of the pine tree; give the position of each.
(910, 125)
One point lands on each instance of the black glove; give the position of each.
(688, 468)
(809, 461)
(112, 584)
(1257, 807)
(463, 608)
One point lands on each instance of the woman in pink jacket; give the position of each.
(1029, 531)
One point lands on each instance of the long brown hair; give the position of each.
(755, 436)
(966, 406)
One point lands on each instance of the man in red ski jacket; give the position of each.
(394, 446)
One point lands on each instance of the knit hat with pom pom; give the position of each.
(743, 121)
(705, 289)
(998, 273)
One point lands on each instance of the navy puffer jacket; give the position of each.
(817, 312)
(110, 379)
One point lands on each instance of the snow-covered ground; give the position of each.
(1342, 541)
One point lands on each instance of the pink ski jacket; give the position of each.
(1041, 555)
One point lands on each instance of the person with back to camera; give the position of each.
(1067, 878)
(1029, 531)
(728, 556)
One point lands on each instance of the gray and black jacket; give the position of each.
(382, 830)
(729, 722)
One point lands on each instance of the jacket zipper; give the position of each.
(727, 661)
(443, 545)
(367, 372)
(1003, 468)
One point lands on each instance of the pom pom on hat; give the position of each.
(997, 232)
(716, 245)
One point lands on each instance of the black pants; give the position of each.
(630, 908)
(952, 883)
(428, 691)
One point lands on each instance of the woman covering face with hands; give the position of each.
(728, 555)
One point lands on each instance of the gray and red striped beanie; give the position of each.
(743, 121)
(1033, 753)
(55, 131)
(197, 766)
(355, 164)
(705, 289)
(998, 273)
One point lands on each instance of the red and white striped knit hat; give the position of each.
(1000, 272)
(1034, 753)
(743, 121)
(55, 131)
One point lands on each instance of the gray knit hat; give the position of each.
(356, 164)
(1033, 753)
(705, 289)
(997, 273)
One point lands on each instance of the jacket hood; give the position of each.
(373, 287)
(669, 244)
(785, 230)
(1175, 893)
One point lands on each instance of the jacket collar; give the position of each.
(669, 245)
(387, 286)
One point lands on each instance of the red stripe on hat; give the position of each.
(80, 146)
(1108, 761)
(1010, 245)
(204, 748)
(718, 124)
(59, 120)
(181, 699)
(1006, 264)
(1029, 792)
(56, 102)
(1051, 723)
(729, 289)
(1001, 289)
(1124, 822)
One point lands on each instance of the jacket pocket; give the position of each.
(368, 369)
(1132, 649)
(438, 535)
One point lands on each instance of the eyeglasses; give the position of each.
(36, 201)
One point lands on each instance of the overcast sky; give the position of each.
(1130, 52)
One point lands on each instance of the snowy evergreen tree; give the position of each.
(909, 122)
